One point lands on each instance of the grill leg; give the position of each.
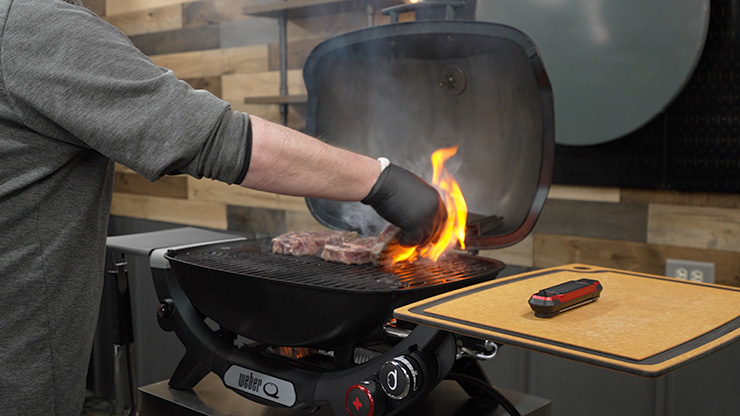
(120, 388)
(123, 338)
(188, 373)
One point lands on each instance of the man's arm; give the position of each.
(288, 162)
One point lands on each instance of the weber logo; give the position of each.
(249, 382)
(261, 385)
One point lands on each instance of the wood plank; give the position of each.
(183, 64)
(148, 21)
(241, 59)
(697, 227)
(167, 186)
(121, 168)
(96, 6)
(627, 221)
(554, 250)
(273, 7)
(182, 40)
(707, 199)
(213, 191)
(277, 99)
(215, 62)
(249, 31)
(114, 7)
(173, 210)
(584, 193)
(298, 51)
(210, 84)
(520, 254)
(205, 12)
(326, 24)
(239, 86)
(257, 222)
(301, 221)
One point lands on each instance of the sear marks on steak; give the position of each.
(357, 251)
(308, 243)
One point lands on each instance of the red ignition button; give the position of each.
(361, 400)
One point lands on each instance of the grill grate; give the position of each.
(254, 258)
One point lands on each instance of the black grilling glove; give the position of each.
(410, 203)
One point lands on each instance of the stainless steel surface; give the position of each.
(142, 244)
(614, 65)
(396, 332)
(490, 347)
(211, 398)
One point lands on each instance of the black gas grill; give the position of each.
(403, 90)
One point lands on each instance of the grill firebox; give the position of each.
(308, 302)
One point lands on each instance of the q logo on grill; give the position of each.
(392, 380)
(271, 389)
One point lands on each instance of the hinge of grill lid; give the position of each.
(430, 9)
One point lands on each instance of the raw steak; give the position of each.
(357, 251)
(388, 234)
(337, 246)
(308, 243)
(362, 250)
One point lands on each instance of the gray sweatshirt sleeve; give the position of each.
(76, 78)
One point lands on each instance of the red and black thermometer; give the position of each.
(560, 298)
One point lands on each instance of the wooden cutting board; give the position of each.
(642, 324)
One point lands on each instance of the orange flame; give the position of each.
(457, 213)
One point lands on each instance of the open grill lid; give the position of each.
(404, 90)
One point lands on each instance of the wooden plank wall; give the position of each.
(212, 44)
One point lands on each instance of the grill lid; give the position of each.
(404, 90)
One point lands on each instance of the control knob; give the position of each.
(399, 377)
(365, 399)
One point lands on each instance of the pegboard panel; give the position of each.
(694, 145)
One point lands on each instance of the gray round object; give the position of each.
(613, 65)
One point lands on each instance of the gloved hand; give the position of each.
(410, 203)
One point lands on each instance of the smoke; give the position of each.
(378, 98)
(384, 92)
(362, 218)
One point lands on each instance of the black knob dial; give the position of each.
(166, 308)
(399, 377)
